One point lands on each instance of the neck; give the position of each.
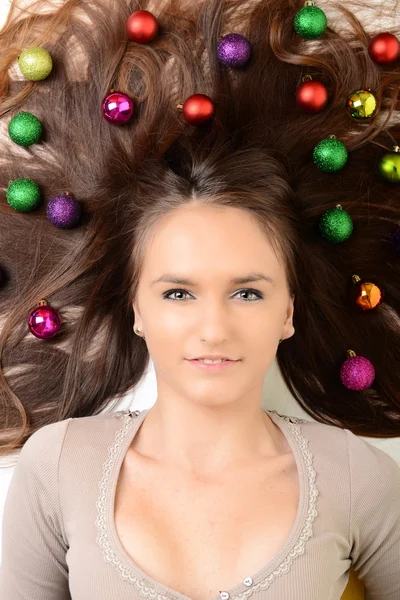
(206, 441)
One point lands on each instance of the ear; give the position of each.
(136, 312)
(288, 329)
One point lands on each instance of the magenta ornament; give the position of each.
(357, 372)
(44, 321)
(117, 108)
(233, 50)
(64, 211)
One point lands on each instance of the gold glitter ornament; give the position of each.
(35, 63)
(361, 104)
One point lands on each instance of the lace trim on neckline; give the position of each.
(142, 585)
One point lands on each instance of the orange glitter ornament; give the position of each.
(366, 294)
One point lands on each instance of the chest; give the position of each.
(198, 539)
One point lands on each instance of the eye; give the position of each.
(256, 293)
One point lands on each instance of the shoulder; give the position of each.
(365, 466)
(51, 441)
(342, 444)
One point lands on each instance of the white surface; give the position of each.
(375, 15)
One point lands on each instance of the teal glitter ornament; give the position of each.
(25, 129)
(23, 194)
(310, 22)
(330, 154)
(336, 225)
(389, 166)
(35, 63)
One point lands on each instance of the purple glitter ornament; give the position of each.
(396, 238)
(44, 321)
(117, 108)
(357, 372)
(64, 211)
(233, 50)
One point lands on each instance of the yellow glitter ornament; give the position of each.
(361, 104)
(35, 63)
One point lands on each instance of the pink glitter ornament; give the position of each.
(44, 321)
(357, 372)
(117, 108)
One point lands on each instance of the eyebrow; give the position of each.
(169, 278)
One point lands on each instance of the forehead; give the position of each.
(207, 239)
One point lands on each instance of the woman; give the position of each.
(200, 239)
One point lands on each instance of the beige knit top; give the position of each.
(60, 543)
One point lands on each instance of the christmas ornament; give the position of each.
(233, 50)
(366, 294)
(361, 104)
(357, 372)
(24, 129)
(44, 321)
(336, 225)
(384, 48)
(395, 237)
(389, 165)
(197, 109)
(141, 27)
(117, 108)
(310, 22)
(23, 194)
(64, 211)
(311, 96)
(330, 154)
(35, 63)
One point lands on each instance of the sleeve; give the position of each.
(374, 526)
(34, 546)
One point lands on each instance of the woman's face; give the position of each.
(207, 247)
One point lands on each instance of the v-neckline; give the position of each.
(115, 553)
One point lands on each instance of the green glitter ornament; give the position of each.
(35, 63)
(389, 166)
(23, 194)
(24, 129)
(336, 225)
(310, 22)
(330, 154)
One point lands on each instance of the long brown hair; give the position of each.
(256, 154)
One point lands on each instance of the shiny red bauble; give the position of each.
(198, 109)
(384, 48)
(44, 321)
(141, 27)
(311, 96)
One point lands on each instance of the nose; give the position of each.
(213, 321)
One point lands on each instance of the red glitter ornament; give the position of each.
(141, 27)
(44, 321)
(197, 109)
(311, 96)
(384, 48)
